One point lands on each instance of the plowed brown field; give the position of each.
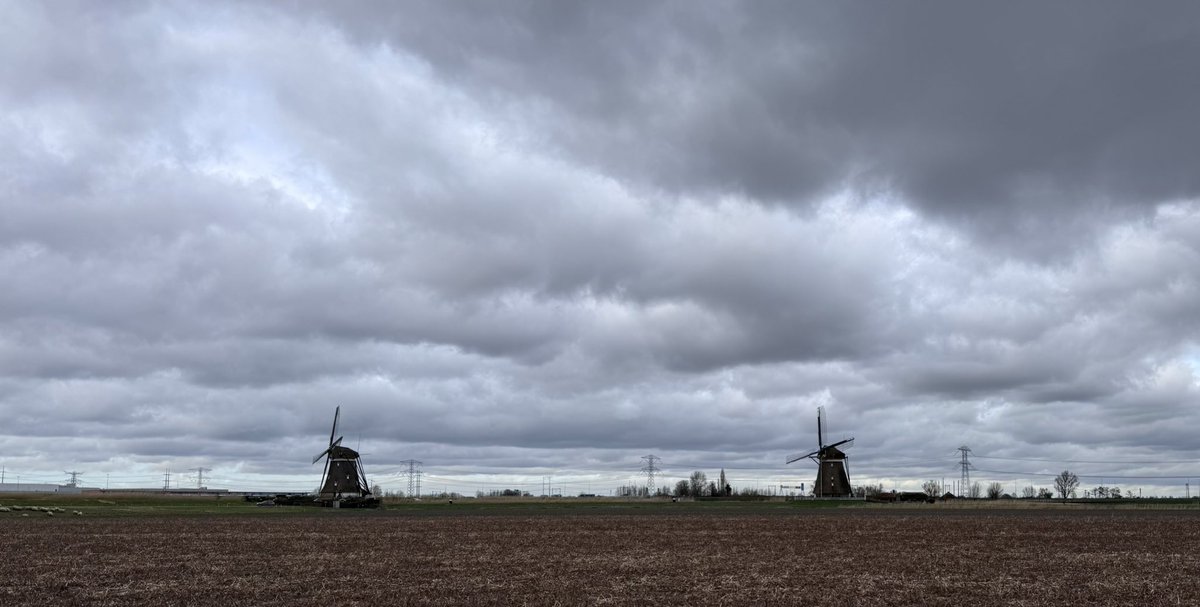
(861, 557)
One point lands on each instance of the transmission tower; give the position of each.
(74, 480)
(414, 477)
(966, 471)
(650, 469)
(167, 480)
(200, 476)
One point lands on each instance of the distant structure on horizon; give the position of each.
(343, 481)
(39, 488)
(833, 479)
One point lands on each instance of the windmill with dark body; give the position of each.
(833, 480)
(343, 483)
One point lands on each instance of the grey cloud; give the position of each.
(1011, 119)
(550, 236)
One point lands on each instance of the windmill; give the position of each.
(343, 477)
(832, 478)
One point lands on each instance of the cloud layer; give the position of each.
(523, 239)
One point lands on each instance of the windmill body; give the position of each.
(344, 475)
(833, 480)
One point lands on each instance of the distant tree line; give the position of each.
(1042, 493)
(1103, 492)
(698, 485)
(502, 493)
(641, 491)
(994, 490)
(1066, 485)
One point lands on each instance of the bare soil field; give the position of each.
(442, 557)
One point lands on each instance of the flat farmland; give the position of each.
(659, 555)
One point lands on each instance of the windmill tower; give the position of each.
(832, 477)
(343, 476)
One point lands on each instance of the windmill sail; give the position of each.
(820, 423)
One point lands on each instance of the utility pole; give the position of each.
(74, 480)
(414, 477)
(966, 469)
(650, 469)
(200, 476)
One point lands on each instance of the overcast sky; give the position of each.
(519, 239)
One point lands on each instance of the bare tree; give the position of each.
(975, 491)
(932, 488)
(869, 490)
(698, 481)
(1028, 492)
(994, 490)
(1066, 484)
(682, 489)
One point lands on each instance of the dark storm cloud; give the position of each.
(1011, 118)
(549, 237)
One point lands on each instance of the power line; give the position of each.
(649, 469)
(966, 469)
(912, 464)
(200, 476)
(1093, 475)
(414, 477)
(1089, 461)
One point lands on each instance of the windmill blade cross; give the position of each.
(820, 422)
(322, 454)
(333, 432)
(848, 443)
(798, 457)
(327, 450)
